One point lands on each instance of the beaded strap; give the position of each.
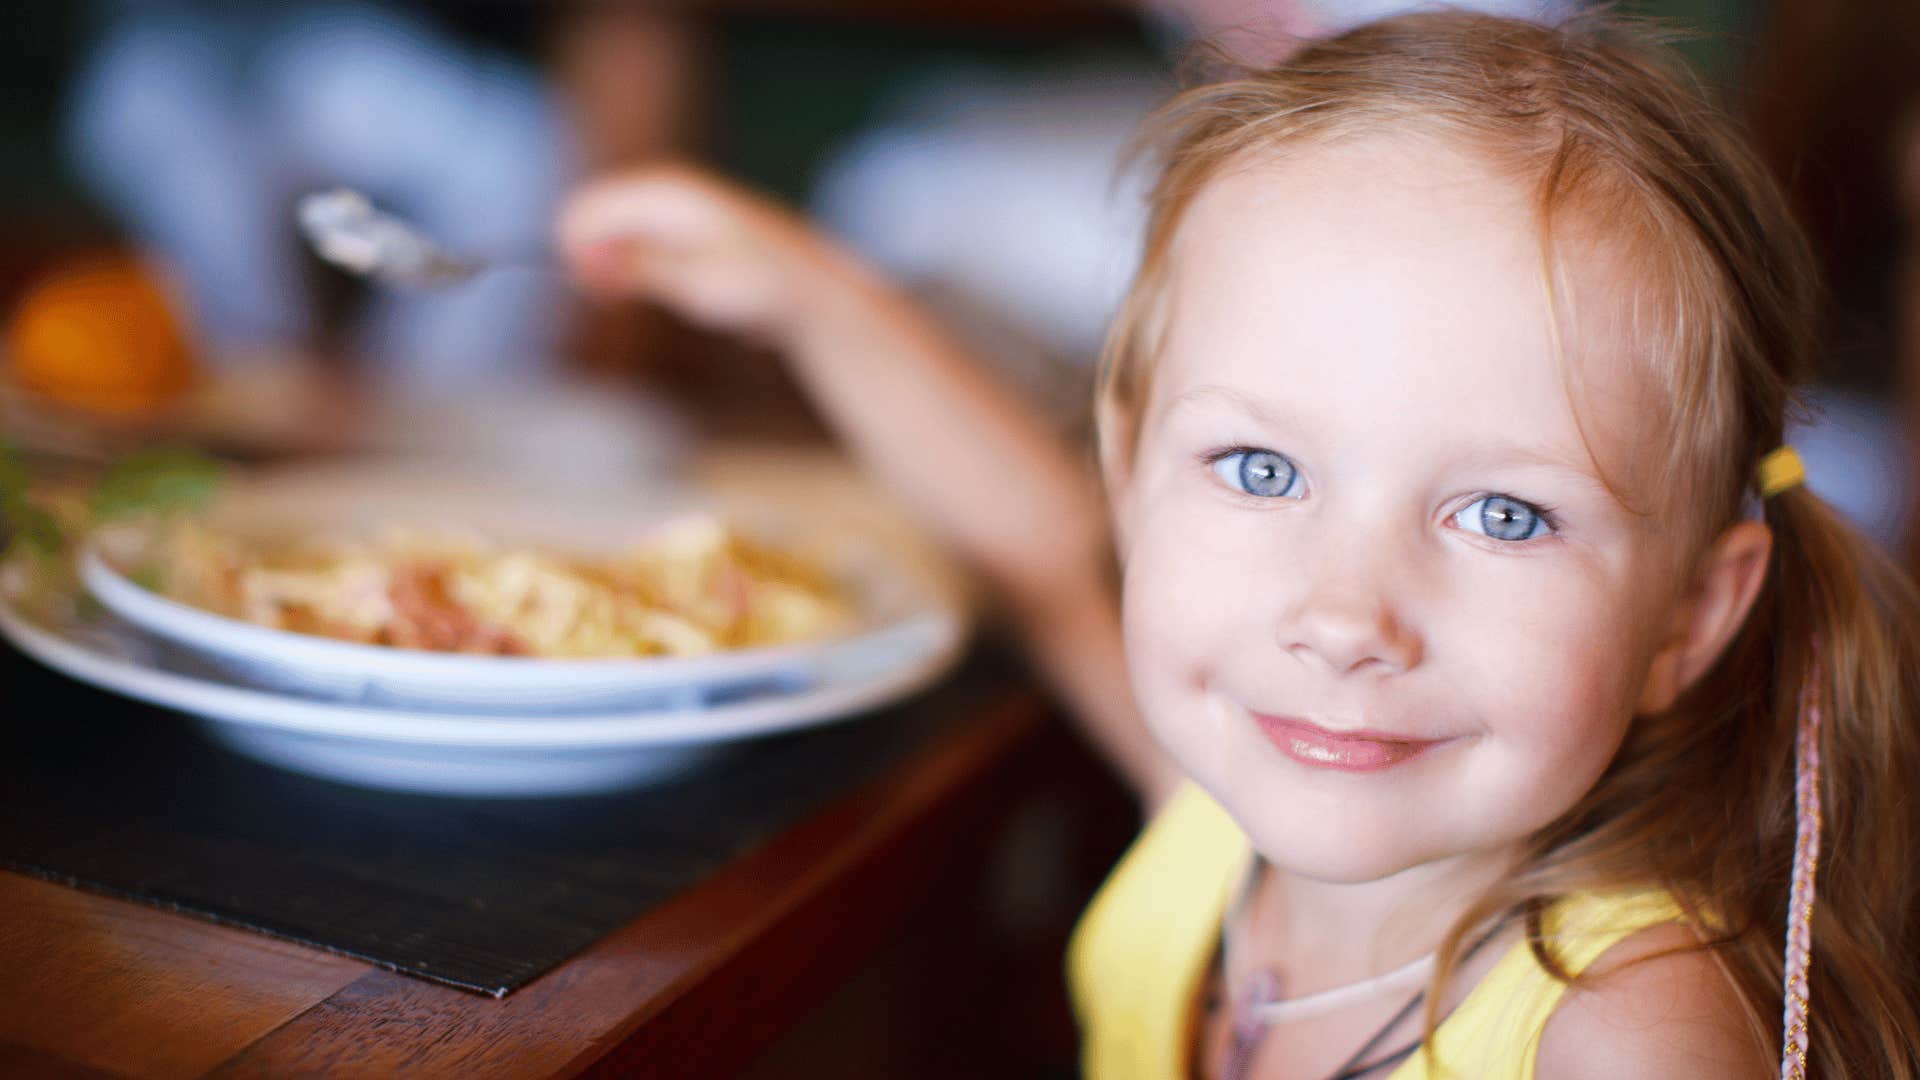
(1806, 858)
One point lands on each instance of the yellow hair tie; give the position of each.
(1782, 470)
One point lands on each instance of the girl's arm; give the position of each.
(979, 468)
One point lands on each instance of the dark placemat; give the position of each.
(112, 795)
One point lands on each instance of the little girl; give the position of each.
(1490, 637)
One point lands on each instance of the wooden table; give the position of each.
(859, 942)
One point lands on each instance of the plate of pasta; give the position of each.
(430, 632)
(448, 753)
(675, 603)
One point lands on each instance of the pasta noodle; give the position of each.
(693, 587)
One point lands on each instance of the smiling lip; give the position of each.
(1344, 751)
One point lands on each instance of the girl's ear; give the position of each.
(1710, 613)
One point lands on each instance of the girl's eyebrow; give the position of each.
(1578, 466)
(1254, 407)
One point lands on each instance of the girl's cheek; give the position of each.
(1192, 597)
(1570, 655)
(1169, 578)
(1193, 557)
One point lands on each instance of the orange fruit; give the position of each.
(100, 333)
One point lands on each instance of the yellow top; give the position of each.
(1146, 941)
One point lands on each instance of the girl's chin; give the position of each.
(1349, 852)
(1333, 851)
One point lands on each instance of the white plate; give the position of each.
(897, 583)
(473, 755)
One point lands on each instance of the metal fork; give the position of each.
(347, 230)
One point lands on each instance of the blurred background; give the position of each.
(153, 283)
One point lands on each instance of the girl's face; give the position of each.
(1379, 601)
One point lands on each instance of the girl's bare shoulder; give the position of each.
(1653, 1005)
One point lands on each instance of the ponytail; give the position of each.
(1839, 610)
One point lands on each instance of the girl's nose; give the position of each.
(1351, 629)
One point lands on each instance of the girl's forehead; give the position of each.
(1365, 205)
(1400, 279)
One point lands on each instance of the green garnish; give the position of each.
(26, 524)
(149, 482)
(154, 482)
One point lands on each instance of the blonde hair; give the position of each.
(1623, 153)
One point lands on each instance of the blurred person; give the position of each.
(638, 80)
(1494, 654)
(199, 124)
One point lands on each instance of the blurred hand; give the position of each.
(714, 253)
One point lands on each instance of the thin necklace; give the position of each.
(1260, 1005)
(1269, 1007)
(1273, 1009)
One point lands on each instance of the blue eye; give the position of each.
(1259, 472)
(1502, 518)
